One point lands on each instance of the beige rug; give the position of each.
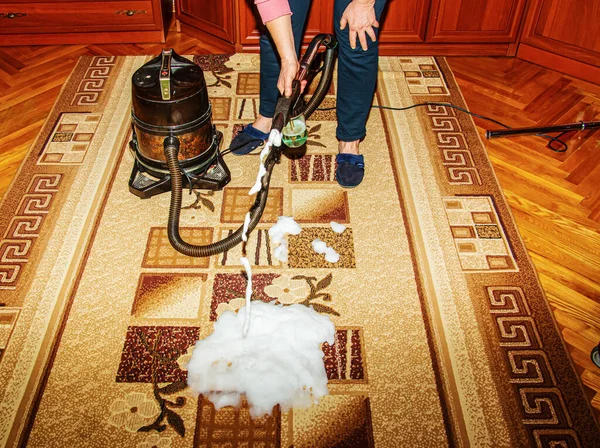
(444, 337)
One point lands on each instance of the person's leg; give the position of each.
(357, 78)
(269, 64)
(252, 136)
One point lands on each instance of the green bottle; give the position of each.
(295, 134)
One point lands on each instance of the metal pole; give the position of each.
(580, 126)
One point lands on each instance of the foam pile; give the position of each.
(280, 360)
(269, 353)
(273, 140)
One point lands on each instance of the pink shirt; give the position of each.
(271, 9)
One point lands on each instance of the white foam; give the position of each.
(321, 247)
(274, 139)
(337, 227)
(331, 255)
(283, 226)
(258, 184)
(248, 269)
(245, 229)
(281, 252)
(279, 362)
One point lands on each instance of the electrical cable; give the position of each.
(231, 149)
(552, 140)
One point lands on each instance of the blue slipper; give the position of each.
(247, 140)
(350, 169)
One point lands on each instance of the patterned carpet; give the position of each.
(443, 335)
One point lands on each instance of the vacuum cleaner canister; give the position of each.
(170, 99)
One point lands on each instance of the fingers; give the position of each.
(362, 37)
(303, 85)
(360, 19)
(288, 88)
(363, 40)
(371, 34)
(352, 38)
(284, 86)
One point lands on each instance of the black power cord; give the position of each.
(552, 140)
(233, 148)
(562, 146)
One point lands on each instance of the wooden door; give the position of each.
(320, 20)
(404, 21)
(475, 21)
(567, 28)
(214, 23)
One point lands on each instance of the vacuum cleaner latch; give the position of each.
(165, 75)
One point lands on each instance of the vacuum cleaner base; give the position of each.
(147, 181)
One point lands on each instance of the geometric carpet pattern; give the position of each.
(443, 334)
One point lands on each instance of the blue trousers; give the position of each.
(357, 71)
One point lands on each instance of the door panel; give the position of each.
(475, 21)
(568, 28)
(217, 20)
(404, 21)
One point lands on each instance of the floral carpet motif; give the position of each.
(443, 334)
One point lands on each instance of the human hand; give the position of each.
(359, 15)
(289, 69)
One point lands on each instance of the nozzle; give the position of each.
(278, 122)
(285, 106)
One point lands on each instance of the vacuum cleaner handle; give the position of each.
(330, 43)
(165, 75)
(579, 126)
(285, 105)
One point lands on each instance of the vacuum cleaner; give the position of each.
(176, 145)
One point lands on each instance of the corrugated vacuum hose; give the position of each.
(171, 145)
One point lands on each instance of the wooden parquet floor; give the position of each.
(555, 198)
